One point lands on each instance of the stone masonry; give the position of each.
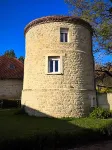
(11, 89)
(58, 95)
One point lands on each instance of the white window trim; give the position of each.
(53, 59)
(60, 64)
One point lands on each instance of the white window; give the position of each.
(63, 35)
(53, 64)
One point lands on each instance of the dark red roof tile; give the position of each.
(6, 72)
(68, 19)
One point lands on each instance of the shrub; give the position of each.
(100, 113)
(110, 113)
(104, 90)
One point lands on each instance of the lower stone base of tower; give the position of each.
(57, 102)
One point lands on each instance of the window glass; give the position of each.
(64, 35)
(56, 65)
(61, 37)
(12, 66)
(51, 66)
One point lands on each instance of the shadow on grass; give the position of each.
(32, 133)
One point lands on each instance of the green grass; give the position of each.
(58, 132)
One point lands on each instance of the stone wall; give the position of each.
(11, 89)
(67, 94)
(105, 100)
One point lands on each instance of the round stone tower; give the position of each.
(59, 67)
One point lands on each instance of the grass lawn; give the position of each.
(17, 129)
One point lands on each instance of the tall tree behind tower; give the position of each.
(99, 14)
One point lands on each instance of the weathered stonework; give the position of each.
(67, 94)
(11, 89)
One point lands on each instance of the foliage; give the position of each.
(10, 53)
(103, 72)
(25, 132)
(99, 14)
(100, 113)
(21, 58)
(104, 90)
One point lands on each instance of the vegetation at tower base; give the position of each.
(100, 113)
(25, 132)
(99, 14)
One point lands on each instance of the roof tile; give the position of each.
(6, 72)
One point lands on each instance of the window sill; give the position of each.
(54, 73)
(64, 42)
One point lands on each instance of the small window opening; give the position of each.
(12, 66)
(53, 64)
(63, 35)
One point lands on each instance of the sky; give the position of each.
(16, 14)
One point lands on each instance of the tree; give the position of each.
(21, 58)
(10, 53)
(99, 14)
(107, 68)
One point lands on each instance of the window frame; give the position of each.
(64, 34)
(54, 59)
(12, 66)
(60, 72)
